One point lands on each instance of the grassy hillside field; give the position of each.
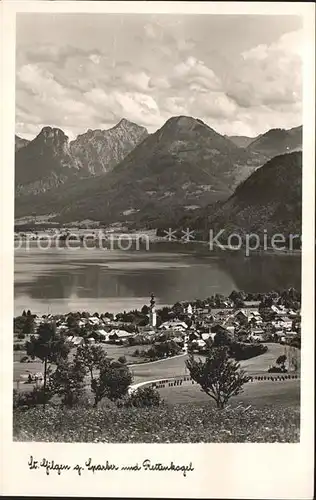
(257, 394)
(265, 412)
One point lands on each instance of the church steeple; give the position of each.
(152, 301)
(152, 315)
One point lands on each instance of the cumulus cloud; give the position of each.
(269, 74)
(160, 72)
(138, 81)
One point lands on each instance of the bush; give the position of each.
(142, 397)
(21, 336)
(24, 359)
(30, 399)
(122, 360)
(295, 342)
(162, 350)
(277, 369)
(18, 347)
(240, 350)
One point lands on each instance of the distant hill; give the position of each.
(271, 199)
(98, 151)
(241, 141)
(20, 142)
(278, 141)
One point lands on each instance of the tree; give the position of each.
(108, 378)
(68, 381)
(164, 313)
(238, 303)
(177, 308)
(49, 347)
(143, 397)
(113, 382)
(219, 376)
(72, 321)
(92, 357)
(28, 326)
(145, 310)
(281, 361)
(296, 342)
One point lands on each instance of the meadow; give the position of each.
(178, 423)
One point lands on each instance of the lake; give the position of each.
(60, 280)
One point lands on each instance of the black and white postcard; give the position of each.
(157, 253)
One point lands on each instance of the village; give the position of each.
(151, 334)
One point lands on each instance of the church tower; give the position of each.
(152, 314)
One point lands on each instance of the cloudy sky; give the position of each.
(239, 74)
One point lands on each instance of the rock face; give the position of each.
(270, 199)
(98, 151)
(20, 142)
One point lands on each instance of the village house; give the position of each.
(174, 325)
(61, 328)
(148, 330)
(198, 345)
(251, 303)
(94, 321)
(207, 336)
(193, 335)
(242, 317)
(230, 329)
(287, 323)
(257, 335)
(118, 336)
(220, 329)
(101, 335)
(256, 316)
(74, 341)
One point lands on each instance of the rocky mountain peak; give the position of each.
(99, 151)
(128, 125)
(52, 136)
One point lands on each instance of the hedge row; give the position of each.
(274, 378)
(161, 384)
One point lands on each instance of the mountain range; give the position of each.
(125, 174)
(50, 159)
